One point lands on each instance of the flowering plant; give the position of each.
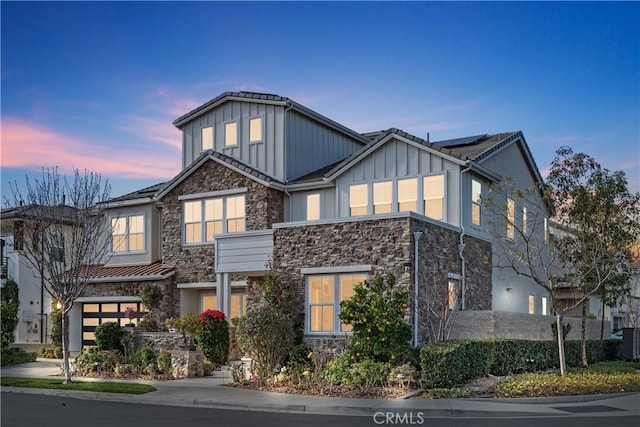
(215, 314)
(213, 336)
(130, 313)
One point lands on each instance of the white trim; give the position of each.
(109, 299)
(196, 285)
(335, 270)
(210, 194)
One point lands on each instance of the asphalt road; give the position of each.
(27, 410)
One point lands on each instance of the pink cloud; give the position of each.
(29, 145)
(158, 130)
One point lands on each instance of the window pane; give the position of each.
(212, 209)
(238, 304)
(475, 214)
(511, 210)
(193, 233)
(193, 211)
(322, 318)
(213, 228)
(321, 289)
(531, 304)
(358, 199)
(255, 129)
(524, 219)
(434, 196)
(207, 138)
(434, 209)
(313, 207)
(235, 225)
(136, 224)
(209, 302)
(118, 244)
(90, 321)
(119, 226)
(231, 134)
(88, 336)
(382, 197)
(408, 195)
(476, 190)
(136, 242)
(347, 282)
(110, 308)
(235, 207)
(91, 308)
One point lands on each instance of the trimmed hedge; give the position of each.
(453, 363)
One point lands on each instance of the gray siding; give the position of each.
(312, 146)
(299, 204)
(266, 156)
(244, 253)
(151, 251)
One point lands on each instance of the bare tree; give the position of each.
(441, 305)
(64, 235)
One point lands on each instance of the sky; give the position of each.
(96, 85)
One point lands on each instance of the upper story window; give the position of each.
(524, 220)
(127, 233)
(532, 304)
(434, 196)
(408, 195)
(57, 248)
(358, 200)
(511, 218)
(546, 229)
(230, 134)
(255, 129)
(476, 197)
(313, 207)
(207, 138)
(324, 294)
(382, 197)
(204, 219)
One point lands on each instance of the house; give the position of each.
(268, 184)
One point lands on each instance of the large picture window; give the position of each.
(204, 219)
(127, 233)
(324, 293)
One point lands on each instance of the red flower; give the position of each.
(210, 315)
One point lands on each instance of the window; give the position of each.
(57, 248)
(524, 220)
(238, 303)
(255, 129)
(511, 212)
(204, 219)
(408, 195)
(434, 196)
(324, 295)
(207, 138)
(127, 233)
(546, 229)
(313, 207)
(382, 197)
(358, 200)
(532, 302)
(231, 134)
(96, 314)
(208, 301)
(544, 306)
(235, 214)
(476, 195)
(452, 294)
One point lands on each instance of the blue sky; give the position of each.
(96, 85)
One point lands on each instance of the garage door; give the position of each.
(95, 314)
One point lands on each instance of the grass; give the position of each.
(601, 378)
(95, 386)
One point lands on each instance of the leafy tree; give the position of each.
(376, 313)
(9, 304)
(601, 216)
(64, 236)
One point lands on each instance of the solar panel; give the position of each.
(468, 140)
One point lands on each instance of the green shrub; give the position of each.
(516, 356)
(51, 352)
(582, 382)
(9, 304)
(124, 369)
(266, 335)
(109, 336)
(213, 336)
(337, 370)
(452, 363)
(164, 362)
(96, 360)
(144, 357)
(55, 322)
(615, 366)
(15, 356)
(300, 354)
(148, 323)
(151, 295)
(368, 374)
(403, 375)
(376, 313)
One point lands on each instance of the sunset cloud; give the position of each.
(156, 129)
(31, 146)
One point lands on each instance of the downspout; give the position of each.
(284, 154)
(416, 311)
(461, 246)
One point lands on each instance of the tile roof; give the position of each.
(154, 271)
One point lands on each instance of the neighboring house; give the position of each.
(267, 183)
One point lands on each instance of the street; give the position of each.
(27, 410)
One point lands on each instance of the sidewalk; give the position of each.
(211, 392)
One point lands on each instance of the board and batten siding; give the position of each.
(311, 145)
(398, 160)
(243, 252)
(299, 203)
(266, 156)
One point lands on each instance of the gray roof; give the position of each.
(60, 213)
(140, 194)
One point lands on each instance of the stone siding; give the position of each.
(387, 245)
(194, 264)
